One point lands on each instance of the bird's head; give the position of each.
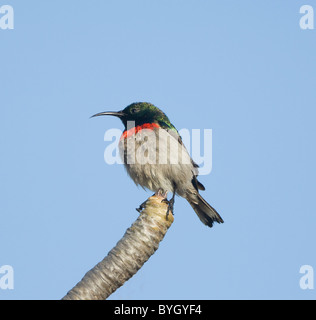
(138, 112)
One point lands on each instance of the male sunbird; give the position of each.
(156, 158)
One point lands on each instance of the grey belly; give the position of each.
(156, 160)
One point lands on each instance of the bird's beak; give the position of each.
(119, 114)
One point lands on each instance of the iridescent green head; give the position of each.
(140, 113)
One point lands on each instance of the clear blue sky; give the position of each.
(244, 69)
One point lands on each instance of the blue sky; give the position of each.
(243, 69)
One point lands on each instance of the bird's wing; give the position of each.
(170, 128)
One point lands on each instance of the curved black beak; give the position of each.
(119, 114)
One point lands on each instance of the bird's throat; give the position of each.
(130, 132)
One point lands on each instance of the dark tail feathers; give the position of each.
(205, 211)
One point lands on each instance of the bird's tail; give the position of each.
(205, 211)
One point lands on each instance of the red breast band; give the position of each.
(132, 131)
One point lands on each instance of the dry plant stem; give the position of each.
(139, 242)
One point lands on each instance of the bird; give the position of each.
(155, 158)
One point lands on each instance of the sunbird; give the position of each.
(156, 159)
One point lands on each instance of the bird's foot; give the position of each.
(170, 204)
(141, 207)
(161, 193)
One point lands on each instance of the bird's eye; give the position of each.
(134, 110)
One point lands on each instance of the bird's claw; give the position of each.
(170, 204)
(162, 193)
(141, 207)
